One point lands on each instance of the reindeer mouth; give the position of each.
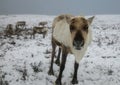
(78, 44)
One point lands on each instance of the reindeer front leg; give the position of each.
(33, 34)
(74, 80)
(44, 34)
(64, 56)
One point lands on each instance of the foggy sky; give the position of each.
(55, 7)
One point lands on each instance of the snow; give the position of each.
(100, 65)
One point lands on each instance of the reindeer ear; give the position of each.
(90, 19)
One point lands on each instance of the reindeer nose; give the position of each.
(82, 43)
(78, 44)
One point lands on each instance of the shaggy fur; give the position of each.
(62, 34)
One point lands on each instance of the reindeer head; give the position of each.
(79, 28)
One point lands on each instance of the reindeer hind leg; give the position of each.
(50, 72)
(58, 57)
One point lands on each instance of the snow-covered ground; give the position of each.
(26, 61)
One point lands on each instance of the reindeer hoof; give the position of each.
(74, 81)
(50, 72)
(57, 62)
(57, 82)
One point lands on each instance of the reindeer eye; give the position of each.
(72, 28)
(85, 28)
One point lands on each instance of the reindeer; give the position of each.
(9, 30)
(43, 23)
(21, 24)
(18, 31)
(73, 35)
(40, 30)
